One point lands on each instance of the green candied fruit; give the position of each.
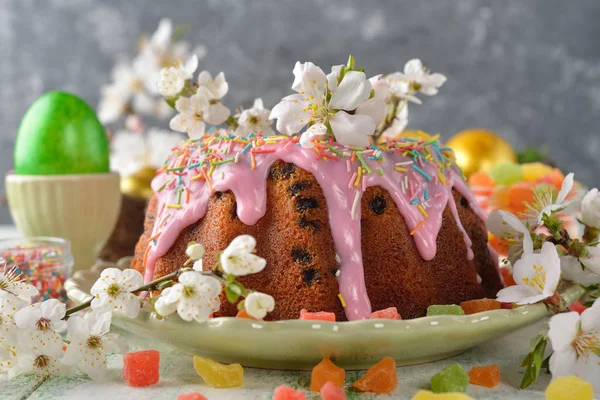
(451, 309)
(451, 379)
(506, 173)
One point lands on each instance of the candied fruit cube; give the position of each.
(388, 313)
(506, 173)
(507, 277)
(488, 376)
(427, 395)
(451, 309)
(141, 368)
(317, 316)
(191, 396)
(218, 375)
(287, 393)
(578, 307)
(330, 391)
(324, 372)
(380, 378)
(569, 388)
(519, 194)
(244, 314)
(481, 179)
(450, 379)
(535, 170)
(479, 305)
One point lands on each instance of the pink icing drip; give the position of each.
(249, 188)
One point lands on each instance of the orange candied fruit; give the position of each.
(488, 376)
(479, 305)
(507, 277)
(317, 316)
(519, 194)
(380, 378)
(244, 314)
(388, 313)
(331, 392)
(284, 392)
(480, 180)
(191, 396)
(324, 372)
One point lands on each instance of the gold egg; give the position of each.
(480, 149)
(138, 184)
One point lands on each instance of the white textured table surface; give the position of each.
(178, 375)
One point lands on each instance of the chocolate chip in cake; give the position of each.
(464, 203)
(297, 187)
(308, 224)
(301, 256)
(234, 215)
(274, 172)
(377, 204)
(310, 276)
(218, 195)
(303, 204)
(287, 170)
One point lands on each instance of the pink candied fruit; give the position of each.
(191, 396)
(317, 316)
(388, 313)
(140, 368)
(329, 391)
(577, 307)
(284, 392)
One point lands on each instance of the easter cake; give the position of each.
(346, 226)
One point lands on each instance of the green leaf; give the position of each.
(171, 101)
(233, 291)
(534, 360)
(350, 63)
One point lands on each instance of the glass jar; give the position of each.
(44, 262)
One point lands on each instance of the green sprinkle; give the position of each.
(179, 196)
(175, 169)
(379, 171)
(160, 189)
(364, 163)
(225, 161)
(333, 150)
(451, 309)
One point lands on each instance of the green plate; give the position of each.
(299, 344)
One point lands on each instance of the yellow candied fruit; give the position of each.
(535, 171)
(569, 388)
(427, 395)
(219, 375)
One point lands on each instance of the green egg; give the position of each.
(60, 134)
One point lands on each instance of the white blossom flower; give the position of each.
(576, 343)
(259, 304)
(38, 363)
(399, 123)
(195, 111)
(217, 88)
(544, 202)
(172, 79)
(590, 209)
(90, 342)
(195, 251)
(13, 283)
(513, 232)
(40, 323)
(420, 80)
(9, 305)
(575, 270)
(255, 119)
(375, 106)
(312, 107)
(399, 88)
(113, 291)
(537, 276)
(195, 297)
(238, 258)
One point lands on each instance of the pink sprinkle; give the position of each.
(421, 162)
(348, 166)
(437, 195)
(364, 183)
(351, 183)
(161, 210)
(229, 146)
(411, 189)
(288, 144)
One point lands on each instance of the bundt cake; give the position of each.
(348, 230)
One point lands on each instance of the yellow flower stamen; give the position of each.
(539, 281)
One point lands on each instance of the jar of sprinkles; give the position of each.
(45, 263)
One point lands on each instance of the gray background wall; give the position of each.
(529, 70)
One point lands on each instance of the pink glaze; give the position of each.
(334, 176)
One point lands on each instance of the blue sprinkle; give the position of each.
(230, 136)
(179, 179)
(415, 201)
(248, 147)
(438, 153)
(374, 158)
(298, 144)
(411, 139)
(445, 148)
(251, 135)
(212, 128)
(426, 194)
(419, 170)
(194, 165)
